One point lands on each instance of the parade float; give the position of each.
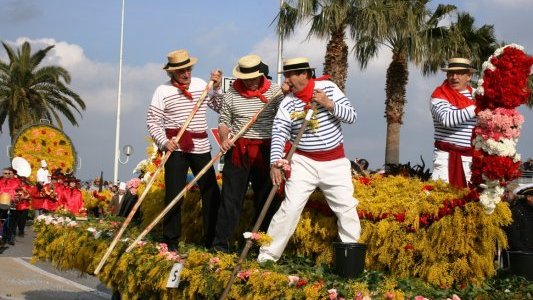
(45, 142)
(424, 238)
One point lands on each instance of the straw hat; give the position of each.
(457, 64)
(179, 59)
(248, 67)
(525, 190)
(298, 63)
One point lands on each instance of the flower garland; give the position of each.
(501, 88)
(38, 142)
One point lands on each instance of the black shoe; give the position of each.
(12, 243)
(21, 234)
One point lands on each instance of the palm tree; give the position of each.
(329, 20)
(29, 93)
(412, 32)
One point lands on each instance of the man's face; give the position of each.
(183, 76)
(7, 174)
(296, 82)
(459, 79)
(252, 84)
(529, 199)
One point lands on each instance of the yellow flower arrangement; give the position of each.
(38, 142)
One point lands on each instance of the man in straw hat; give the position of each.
(520, 233)
(248, 159)
(319, 160)
(171, 104)
(452, 108)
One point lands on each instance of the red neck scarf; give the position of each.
(182, 88)
(264, 86)
(455, 98)
(307, 93)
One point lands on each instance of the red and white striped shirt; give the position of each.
(170, 108)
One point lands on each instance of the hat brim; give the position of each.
(297, 69)
(472, 70)
(239, 75)
(193, 60)
(524, 190)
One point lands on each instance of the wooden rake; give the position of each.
(134, 209)
(266, 206)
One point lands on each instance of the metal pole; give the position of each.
(117, 132)
(280, 48)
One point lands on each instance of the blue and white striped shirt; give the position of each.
(453, 125)
(327, 136)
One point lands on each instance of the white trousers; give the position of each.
(334, 178)
(440, 166)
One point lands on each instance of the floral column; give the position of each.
(503, 86)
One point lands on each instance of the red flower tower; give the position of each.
(502, 87)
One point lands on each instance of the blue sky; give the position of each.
(86, 35)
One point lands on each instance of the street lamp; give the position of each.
(128, 151)
(117, 132)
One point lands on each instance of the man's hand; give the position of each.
(171, 145)
(216, 77)
(226, 144)
(275, 175)
(320, 97)
(225, 140)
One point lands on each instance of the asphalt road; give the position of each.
(19, 279)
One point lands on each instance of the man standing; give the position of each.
(319, 160)
(454, 118)
(171, 104)
(248, 159)
(117, 199)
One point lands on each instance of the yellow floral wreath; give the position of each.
(38, 142)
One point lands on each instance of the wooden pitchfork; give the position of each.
(152, 179)
(266, 206)
(199, 175)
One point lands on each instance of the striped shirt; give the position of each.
(328, 133)
(237, 110)
(453, 125)
(170, 108)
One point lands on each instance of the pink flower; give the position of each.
(421, 298)
(332, 294)
(293, 280)
(454, 297)
(244, 275)
(214, 260)
(141, 243)
(390, 295)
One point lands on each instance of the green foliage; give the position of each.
(29, 93)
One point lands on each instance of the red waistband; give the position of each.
(449, 147)
(186, 144)
(324, 155)
(251, 147)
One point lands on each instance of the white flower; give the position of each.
(247, 235)
(72, 224)
(91, 229)
(503, 147)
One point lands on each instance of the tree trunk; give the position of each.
(336, 58)
(396, 82)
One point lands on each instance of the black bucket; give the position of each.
(521, 264)
(349, 259)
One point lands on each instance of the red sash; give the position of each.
(252, 148)
(324, 155)
(456, 173)
(185, 141)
